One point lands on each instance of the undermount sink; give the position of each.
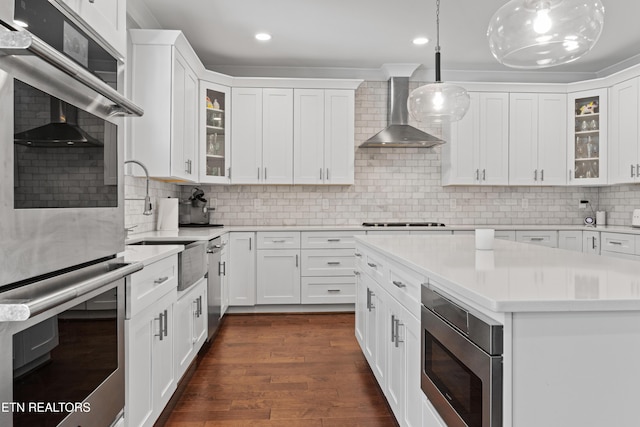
(162, 242)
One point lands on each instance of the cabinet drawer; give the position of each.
(405, 285)
(543, 237)
(618, 243)
(505, 234)
(328, 290)
(326, 262)
(149, 284)
(278, 240)
(329, 239)
(375, 265)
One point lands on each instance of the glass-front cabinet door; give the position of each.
(588, 137)
(214, 105)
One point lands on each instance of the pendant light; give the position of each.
(438, 102)
(533, 34)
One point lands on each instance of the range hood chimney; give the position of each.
(398, 133)
(63, 131)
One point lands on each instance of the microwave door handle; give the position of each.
(25, 43)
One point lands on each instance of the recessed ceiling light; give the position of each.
(263, 37)
(420, 41)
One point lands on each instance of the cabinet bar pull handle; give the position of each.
(484, 174)
(593, 242)
(224, 266)
(393, 327)
(370, 305)
(333, 262)
(359, 255)
(249, 243)
(638, 169)
(159, 334)
(166, 323)
(372, 265)
(161, 280)
(569, 174)
(477, 174)
(265, 173)
(186, 166)
(229, 173)
(542, 175)
(333, 290)
(536, 239)
(219, 268)
(296, 260)
(258, 173)
(613, 242)
(327, 174)
(398, 340)
(333, 240)
(278, 240)
(356, 272)
(535, 175)
(399, 284)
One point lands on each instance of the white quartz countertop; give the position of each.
(516, 277)
(205, 233)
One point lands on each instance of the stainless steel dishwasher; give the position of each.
(214, 291)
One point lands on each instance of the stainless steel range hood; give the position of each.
(398, 133)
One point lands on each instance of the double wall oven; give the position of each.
(461, 363)
(61, 219)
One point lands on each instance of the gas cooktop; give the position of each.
(402, 224)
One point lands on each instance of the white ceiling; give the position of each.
(348, 36)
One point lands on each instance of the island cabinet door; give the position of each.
(361, 309)
(403, 376)
(375, 329)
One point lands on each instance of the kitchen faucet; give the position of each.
(147, 200)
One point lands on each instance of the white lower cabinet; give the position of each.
(278, 279)
(538, 237)
(620, 245)
(242, 269)
(570, 240)
(224, 281)
(190, 325)
(150, 371)
(389, 335)
(591, 242)
(403, 375)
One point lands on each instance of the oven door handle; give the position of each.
(25, 43)
(29, 300)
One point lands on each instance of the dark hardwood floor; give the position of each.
(283, 370)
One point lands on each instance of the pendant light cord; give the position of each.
(437, 41)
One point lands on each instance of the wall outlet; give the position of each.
(583, 204)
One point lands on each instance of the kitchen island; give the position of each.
(571, 322)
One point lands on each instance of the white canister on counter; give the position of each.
(167, 214)
(601, 218)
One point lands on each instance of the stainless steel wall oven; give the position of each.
(61, 219)
(461, 371)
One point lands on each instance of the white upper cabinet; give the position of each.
(537, 135)
(624, 146)
(323, 136)
(478, 150)
(587, 155)
(215, 142)
(262, 129)
(166, 87)
(106, 20)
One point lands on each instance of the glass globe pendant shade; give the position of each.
(533, 34)
(438, 103)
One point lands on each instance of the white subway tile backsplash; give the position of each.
(395, 184)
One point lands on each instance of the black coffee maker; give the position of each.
(195, 209)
